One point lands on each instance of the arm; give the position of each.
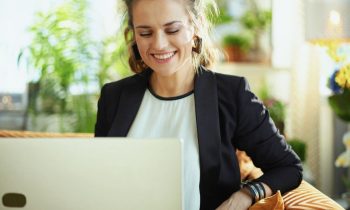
(257, 135)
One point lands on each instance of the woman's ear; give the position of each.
(197, 44)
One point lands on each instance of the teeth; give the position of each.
(164, 56)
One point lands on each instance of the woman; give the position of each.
(173, 94)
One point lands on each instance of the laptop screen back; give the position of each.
(86, 174)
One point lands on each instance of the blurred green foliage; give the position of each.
(257, 21)
(276, 108)
(64, 56)
(222, 17)
(253, 23)
(113, 55)
(299, 147)
(60, 51)
(240, 40)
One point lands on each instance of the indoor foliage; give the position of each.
(63, 56)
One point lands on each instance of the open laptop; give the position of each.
(90, 174)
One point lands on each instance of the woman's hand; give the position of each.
(242, 200)
(239, 200)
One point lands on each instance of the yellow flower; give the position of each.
(346, 140)
(343, 76)
(343, 159)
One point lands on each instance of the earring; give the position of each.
(197, 45)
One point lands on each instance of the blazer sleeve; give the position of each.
(258, 136)
(101, 127)
(106, 107)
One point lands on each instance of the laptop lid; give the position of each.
(113, 173)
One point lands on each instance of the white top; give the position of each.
(173, 117)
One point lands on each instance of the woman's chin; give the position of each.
(164, 72)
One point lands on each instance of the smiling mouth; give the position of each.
(164, 56)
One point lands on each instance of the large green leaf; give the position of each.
(340, 104)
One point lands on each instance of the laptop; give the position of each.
(91, 174)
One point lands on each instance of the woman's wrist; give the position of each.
(256, 190)
(246, 192)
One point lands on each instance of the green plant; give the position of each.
(299, 147)
(257, 21)
(61, 55)
(239, 40)
(346, 182)
(84, 112)
(222, 18)
(113, 54)
(276, 108)
(339, 83)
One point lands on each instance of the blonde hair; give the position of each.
(198, 11)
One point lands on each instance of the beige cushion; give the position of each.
(308, 197)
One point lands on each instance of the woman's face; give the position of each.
(163, 34)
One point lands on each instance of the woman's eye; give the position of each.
(173, 31)
(145, 34)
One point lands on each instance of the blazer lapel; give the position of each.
(208, 128)
(129, 104)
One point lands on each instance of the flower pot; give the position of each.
(234, 54)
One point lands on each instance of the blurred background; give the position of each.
(56, 54)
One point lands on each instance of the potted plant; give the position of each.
(257, 22)
(339, 83)
(61, 56)
(236, 46)
(339, 99)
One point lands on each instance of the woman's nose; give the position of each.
(160, 41)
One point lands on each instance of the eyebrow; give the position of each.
(166, 24)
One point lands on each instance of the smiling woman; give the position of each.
(164, 40)
(160, 36)
(174, 94)
(179, 29)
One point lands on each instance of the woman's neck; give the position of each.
(173, 85)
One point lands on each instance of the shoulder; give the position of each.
(128, 82)
(231, 81)
(225, 83)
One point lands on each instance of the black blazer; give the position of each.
(228, 116)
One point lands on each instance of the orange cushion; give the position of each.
(34, 134)
(273, 202)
